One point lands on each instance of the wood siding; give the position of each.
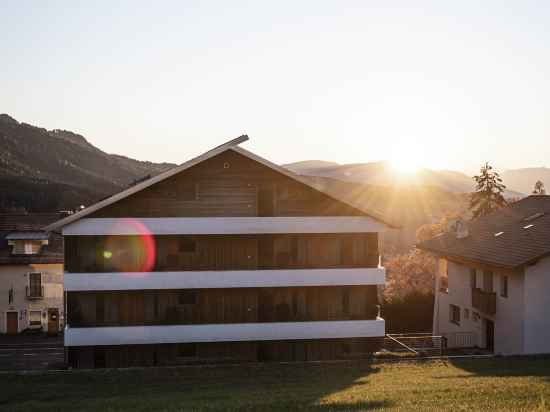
(228, 185)
(180, 253)
(222, 352)
(211, 306)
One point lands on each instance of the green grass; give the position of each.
(464, 385)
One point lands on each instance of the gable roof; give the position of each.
(509, 238)
(230, 145)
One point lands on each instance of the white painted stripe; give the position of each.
(136, 335)
(223, 279)
(222, 225)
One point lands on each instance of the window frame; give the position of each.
(31, 294)
(454, 314)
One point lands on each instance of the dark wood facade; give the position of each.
(222, 352)
(228, 252)
(228, 184)
(211, 306)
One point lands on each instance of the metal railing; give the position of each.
(461, 339)
(420, 344)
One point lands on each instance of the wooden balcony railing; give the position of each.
(485, 302)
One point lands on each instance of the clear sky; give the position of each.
(451, 83)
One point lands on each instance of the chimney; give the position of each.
(459, 228)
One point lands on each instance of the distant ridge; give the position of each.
(383, 174)
(48, 170)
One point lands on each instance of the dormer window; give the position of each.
(25, 247)
(26, 243)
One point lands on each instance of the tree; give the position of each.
(539, 188)
(488, 195)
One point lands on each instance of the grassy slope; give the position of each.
(487, 384)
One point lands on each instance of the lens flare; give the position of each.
(135, 252)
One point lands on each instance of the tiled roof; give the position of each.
(508, 238)
(23, 225)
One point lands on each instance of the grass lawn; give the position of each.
(483, 384)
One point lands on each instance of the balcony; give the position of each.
(485, 302)
(136, 335)
(35, 293)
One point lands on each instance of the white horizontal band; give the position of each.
(223, 279)
(221, 225)
(139, 335)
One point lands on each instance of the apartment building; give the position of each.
(225, 258)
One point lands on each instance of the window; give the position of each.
(187, 297)
(454, 314)
(473, 278)
(504, 286)
(187, 245)
(35, 284)
(35, 318)
(466, 313)
(187, 350)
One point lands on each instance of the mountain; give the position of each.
(384, 174)
(48, 170)
(409, 206)
(523, 180)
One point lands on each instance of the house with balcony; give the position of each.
(225, 258)
(493, 280)
(31, 274)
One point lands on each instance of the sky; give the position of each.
(441, 84)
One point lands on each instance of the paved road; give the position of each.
(31, 352)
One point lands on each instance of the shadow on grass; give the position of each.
(537, 366)
(267, 387)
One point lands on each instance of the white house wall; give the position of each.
(16, 277)
(537, 304)
(508, 320)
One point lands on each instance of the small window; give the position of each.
(473, 278)
(187, 350)
(504, 286)
(466, 313)
(187, 297)
(454, 314)
(187, 245)
(35, 318)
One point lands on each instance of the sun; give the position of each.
(405, 163)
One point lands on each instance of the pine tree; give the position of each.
(488, 195)
(539, 188)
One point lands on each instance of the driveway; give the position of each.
(23, 352)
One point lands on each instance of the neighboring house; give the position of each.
(31, 274)
(226, 257)
(493, 282)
